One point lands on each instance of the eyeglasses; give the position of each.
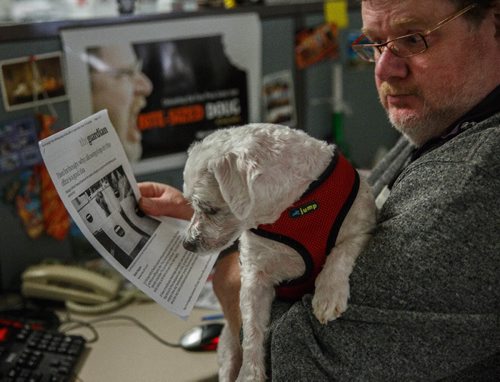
(101, 66)
(403, 46)
(129, 71)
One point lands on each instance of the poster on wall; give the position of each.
(31, 81)
(166, 84)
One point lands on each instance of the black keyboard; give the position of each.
(31, 353)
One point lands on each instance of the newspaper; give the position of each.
(95, 181)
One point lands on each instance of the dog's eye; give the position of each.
(211, 210)
(206, 208)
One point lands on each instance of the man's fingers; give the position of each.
(148, 189)
(148, 206)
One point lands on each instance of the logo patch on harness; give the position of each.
(297, 212)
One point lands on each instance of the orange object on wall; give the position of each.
(55, 217)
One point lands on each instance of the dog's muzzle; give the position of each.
(191, 245)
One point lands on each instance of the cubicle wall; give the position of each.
(365, 125)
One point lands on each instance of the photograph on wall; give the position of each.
(166, 84)
(278, 98)
(110, 212)
(32, 80)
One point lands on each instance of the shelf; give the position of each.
(50, 29)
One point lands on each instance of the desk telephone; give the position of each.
(82, 290)
(62, 282)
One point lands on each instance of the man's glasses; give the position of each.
(101, 66)
(128, 71)
(404, 46)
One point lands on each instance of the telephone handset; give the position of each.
(68, 283)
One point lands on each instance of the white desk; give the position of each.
(126, 353)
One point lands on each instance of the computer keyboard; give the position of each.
(31, 353)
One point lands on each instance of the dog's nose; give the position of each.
(191, 246)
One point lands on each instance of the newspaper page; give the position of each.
(95, 181)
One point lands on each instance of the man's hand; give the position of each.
(159, 199)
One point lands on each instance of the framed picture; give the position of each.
(166, 84)
(19, 144)
(32, 80)
(278, 98)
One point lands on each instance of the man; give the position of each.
(119, 85)
(425, 293)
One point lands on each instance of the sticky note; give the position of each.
(336, 12)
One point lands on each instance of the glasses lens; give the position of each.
(410, 45)
(366, 53)
(129, 71)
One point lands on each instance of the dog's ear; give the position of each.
(235, 177)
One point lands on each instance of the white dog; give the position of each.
(242, 180)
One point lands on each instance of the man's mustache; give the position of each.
(387, 89)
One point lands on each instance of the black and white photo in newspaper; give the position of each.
(95, 181)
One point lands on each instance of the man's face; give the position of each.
(118, 86)
(425, 93)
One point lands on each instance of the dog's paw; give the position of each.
(329, 303)
(251, 373)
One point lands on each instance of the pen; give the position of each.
(212, 317)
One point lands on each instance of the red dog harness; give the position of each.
(311, 224)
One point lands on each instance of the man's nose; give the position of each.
(390, 66)
(142, 84)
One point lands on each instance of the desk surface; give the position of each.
(126, 353)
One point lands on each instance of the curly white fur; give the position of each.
(239, 178)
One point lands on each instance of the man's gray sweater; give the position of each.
(425, 293)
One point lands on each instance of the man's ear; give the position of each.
(235, 177)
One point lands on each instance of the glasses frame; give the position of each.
(130, 71)
(390, 44)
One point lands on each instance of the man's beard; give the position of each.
(418, 129)
(430, 121)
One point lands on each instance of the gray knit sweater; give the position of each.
(425, 293)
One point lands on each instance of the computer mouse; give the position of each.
(203, 337)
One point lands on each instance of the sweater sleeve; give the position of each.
(425, 292)
(436, 245)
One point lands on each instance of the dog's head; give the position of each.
(223, 179)
(238, 178)
(217, 183)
